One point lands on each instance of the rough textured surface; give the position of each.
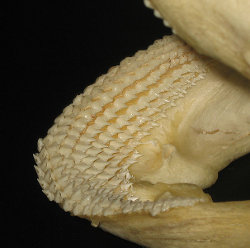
(143, 141)
(83, 162)
(220, 29)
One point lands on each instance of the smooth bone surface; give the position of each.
(219, 29)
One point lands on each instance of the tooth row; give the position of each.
(157, 14)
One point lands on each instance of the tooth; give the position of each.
(148, 4)
(157, 14)
(166, 23)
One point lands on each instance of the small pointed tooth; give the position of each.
(99, 165)
(55, 159)
(96, 211)
(39, 171)
(76, 195)
(89, 160)
(104, 157)
(37, 159)
(58, 171)
(58, 197)
(116, 144)
(91, 171)
(166, 23)
(104, 176)
(98, 145)
(105, 137)
(138, 206)
(66, 150)
(40, 145)
(128, 208)
(62, 181)
(115, 181)
(124, 136)
(157, 14)
(82, 147)
(111, 170)
(78, 209)
(48, 194)
(82, 167)
(148, 4)
(78, 156)
(156, 208)
(174, 31)
(93, 152)
(109, 151)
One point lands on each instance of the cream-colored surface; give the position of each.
(146, 137)
(84, 161)
(179, 143)
(219, 29)
(204, 225)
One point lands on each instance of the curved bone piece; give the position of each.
(219, 29)
(133, 152)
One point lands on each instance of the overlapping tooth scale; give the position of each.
(84, 159)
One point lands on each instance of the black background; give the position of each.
(55, 51)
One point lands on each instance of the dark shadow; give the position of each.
(233, 183)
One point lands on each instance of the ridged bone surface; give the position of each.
(83, 162)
